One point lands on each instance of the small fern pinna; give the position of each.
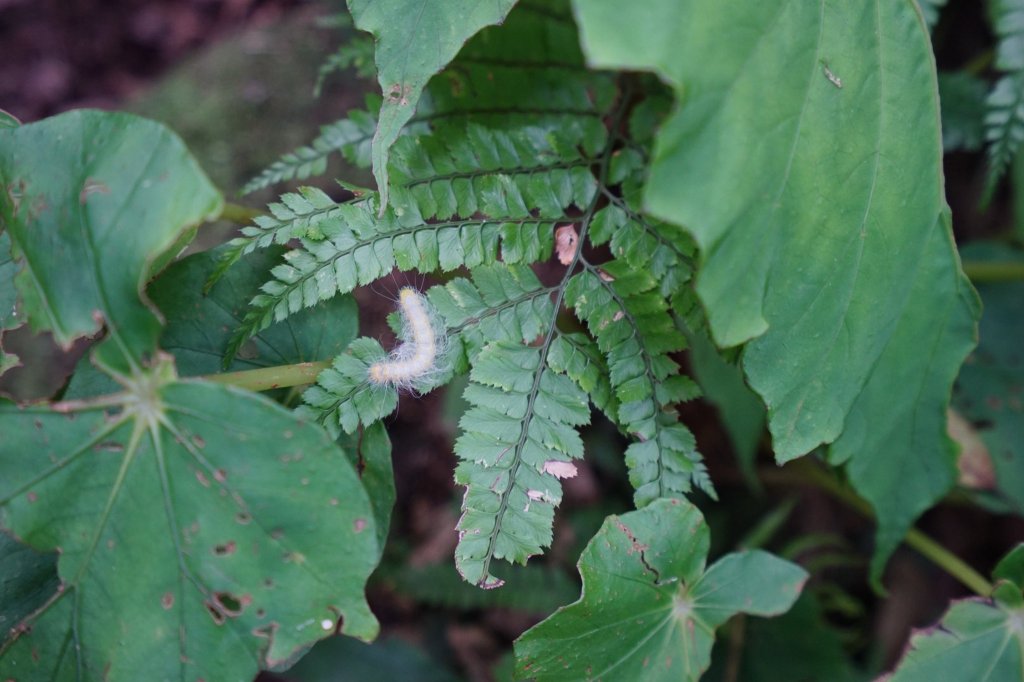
(509, 147)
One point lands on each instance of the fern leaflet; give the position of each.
(351, 136)
(516, 436)
(1004, 120)
(633, 328)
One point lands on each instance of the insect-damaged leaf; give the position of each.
(90, 200)
(977, 639)
(204, 532)
(805, 157)
(645, 588)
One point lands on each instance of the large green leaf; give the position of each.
(27, 579)
(414, 40)
(981, 640)
(649, 608)
(90, 200)
(989, 387)
(806, 159)
(203, 532)
(8, 299)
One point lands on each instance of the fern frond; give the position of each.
(473, 169)
(343, 394)
(350, 136)
(297, 216)
(522, 182)
(500, 303)
(519, 432)
(1004, 122)
(578, 357)
(633, 328)
(356, 53)
(661, 249)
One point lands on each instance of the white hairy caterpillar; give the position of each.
(418, 357)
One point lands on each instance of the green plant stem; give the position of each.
(809, 473)
(267, 378)
(994, 272)
(238, 214)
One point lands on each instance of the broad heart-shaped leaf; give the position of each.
(805, 158)
(27, 579)
(8, 299)
(988, 390)
(90, 199)
(414, 40)
(204, 532)
(649, 608)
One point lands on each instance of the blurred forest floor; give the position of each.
(235, 78)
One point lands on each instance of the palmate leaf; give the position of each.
(645, 588)
(186, 548)
(797, 222)
(977, 639)
(408, 53)
(518, 439)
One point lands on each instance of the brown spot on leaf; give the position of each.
(359, 525)
(243, 518)
(32, 497)
(92, 186)
(226, 548)
(220, 475)
(167, 601)
(203, 480)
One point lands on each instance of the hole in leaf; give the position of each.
(229, 604)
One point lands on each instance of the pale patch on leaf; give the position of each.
(560, 469)
(566, 241)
